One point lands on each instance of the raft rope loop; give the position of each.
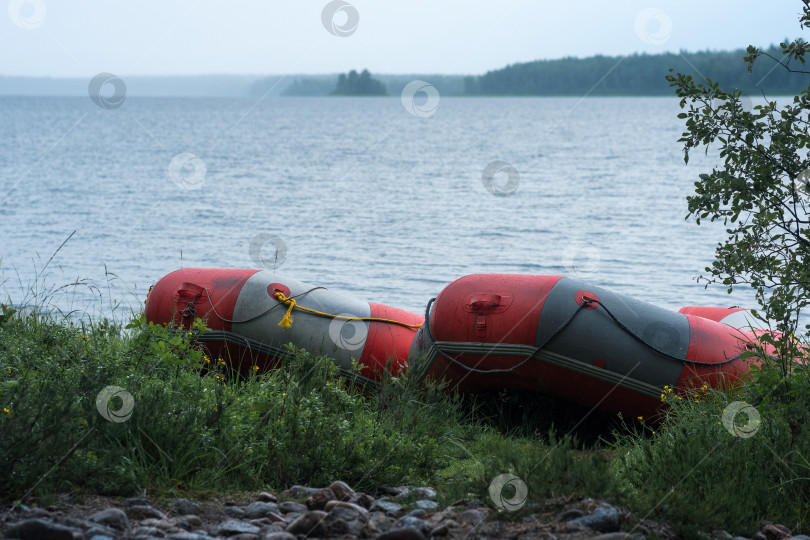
(253, 318)
(286, 321)
(586, 301)
(291, 304)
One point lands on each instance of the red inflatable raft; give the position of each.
(583, 343)
(253, 314)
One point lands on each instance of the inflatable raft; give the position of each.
(253, 314)
(487, 331)
(583, 343)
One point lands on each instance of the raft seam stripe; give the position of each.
(555, 359)
(269, 350)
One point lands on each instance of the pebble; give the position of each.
(99, 534)
(143, 511)
(613, 536)
(275, 518)
(604, 519)
(336, 511)
(412, 522)
(185, 507)
(277, 536)
(379, 522)
(310, 523)
(318, 500)
(774, 531)
(298, 492)
(386, 506)
(111, 517)
(232, 527)
(426, 504)
(402, 534)
(420, 492)
(138, 501)
(443, 529)
(234, 512)
(187, 536)
(440, 530)
(471, 517)
(147, 531)
(271, 528)
(187, 522)
(291, 506)
(346, 520)
(39, 529)
(267, 497)
(570, 514)
(362, 499)
(260, 509)
(162, 524)
(341, 504)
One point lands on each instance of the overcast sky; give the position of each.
(79, 38)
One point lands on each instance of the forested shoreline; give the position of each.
(634, 75)
(631, 75)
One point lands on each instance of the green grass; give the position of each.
(198, 429)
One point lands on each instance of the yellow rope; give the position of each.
(291, 304)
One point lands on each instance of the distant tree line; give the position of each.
(352, 84)
(638, 74)
(323, 85)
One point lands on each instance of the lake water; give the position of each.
(365, 195)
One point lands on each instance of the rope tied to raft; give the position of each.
(286, 321)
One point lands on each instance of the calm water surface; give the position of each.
(365, 196)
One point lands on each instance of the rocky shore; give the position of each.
(337, 511)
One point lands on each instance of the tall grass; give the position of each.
(197, 428)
